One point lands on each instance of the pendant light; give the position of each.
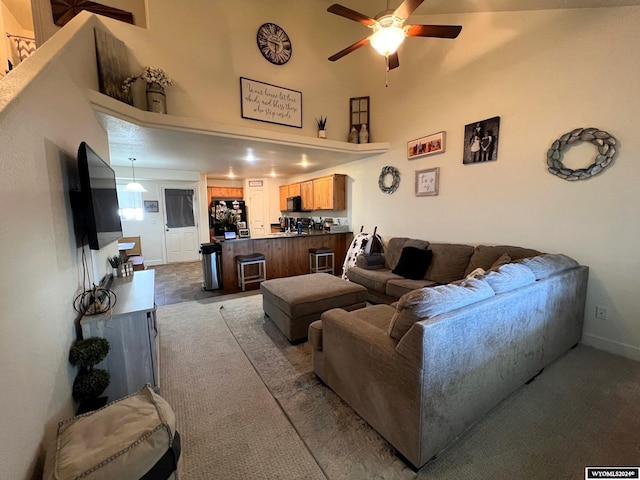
(134, 186)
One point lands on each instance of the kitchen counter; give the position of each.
(284, 257)
(306, 233)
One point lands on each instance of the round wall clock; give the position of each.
(274, 43)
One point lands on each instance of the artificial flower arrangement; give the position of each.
(150, 75)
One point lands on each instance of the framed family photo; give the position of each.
(426, 146)
(481, 141)
(427, 182)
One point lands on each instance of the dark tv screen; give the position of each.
(101, 218)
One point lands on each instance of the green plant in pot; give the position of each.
(322, 126)
(90, 382)
(115, 262)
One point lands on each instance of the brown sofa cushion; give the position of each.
(392, 251)
(484, 256)
(449, 262)
(427, 303)
(397, 288)
(374, 280)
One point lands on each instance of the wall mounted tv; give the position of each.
(96, 204)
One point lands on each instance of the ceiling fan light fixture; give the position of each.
(134, 186)
(386, 40)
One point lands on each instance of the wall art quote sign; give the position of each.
(269, 103)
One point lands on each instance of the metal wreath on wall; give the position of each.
(383, 183)
(605, 143)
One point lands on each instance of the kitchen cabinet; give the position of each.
(294, 189)
(225, 192)
(323, 193)
(289, 190)
(284, 193)
(132, 331)
(329, 192)
(306, 192)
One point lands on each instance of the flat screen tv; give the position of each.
(97, 201)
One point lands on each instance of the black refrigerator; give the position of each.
(219, 210)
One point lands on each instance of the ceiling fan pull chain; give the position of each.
(386, 74)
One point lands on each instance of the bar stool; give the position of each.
(315, 263)
(243, 261)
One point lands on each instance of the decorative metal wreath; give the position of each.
(395, 174)
(602, 140)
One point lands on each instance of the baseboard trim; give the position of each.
(617, 348)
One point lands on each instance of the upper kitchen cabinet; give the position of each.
(330, 192)
(306, 192)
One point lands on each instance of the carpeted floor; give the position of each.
(583, 410)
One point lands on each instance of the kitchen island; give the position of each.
(287, 254)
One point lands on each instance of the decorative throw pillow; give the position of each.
(413, 263)
(429, 302)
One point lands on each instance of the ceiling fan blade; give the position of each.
(351, 14)
(349, 49)
(439, 31)
(393, 61)
(407, 8)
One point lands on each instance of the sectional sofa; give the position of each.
(425, 369)
(449, 262)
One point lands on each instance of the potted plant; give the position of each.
(322, 126)
(90, 382)
(115, 263)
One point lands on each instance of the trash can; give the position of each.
(211, 265)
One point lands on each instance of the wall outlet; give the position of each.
(602, 313)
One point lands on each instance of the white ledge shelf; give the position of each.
(347, 151)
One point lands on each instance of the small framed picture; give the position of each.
(151, 206)
(427, 182)
(424, 146)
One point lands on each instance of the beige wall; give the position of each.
(544, 73)
(42, 272)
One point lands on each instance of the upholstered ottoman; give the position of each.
(294, 302)
(133, 438)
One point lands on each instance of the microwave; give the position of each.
(294, 204)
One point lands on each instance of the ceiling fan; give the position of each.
(388, 30)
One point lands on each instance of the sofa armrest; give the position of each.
(371, 261)
(381, 385)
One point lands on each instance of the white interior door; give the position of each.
(256, 211)
(181, 228)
